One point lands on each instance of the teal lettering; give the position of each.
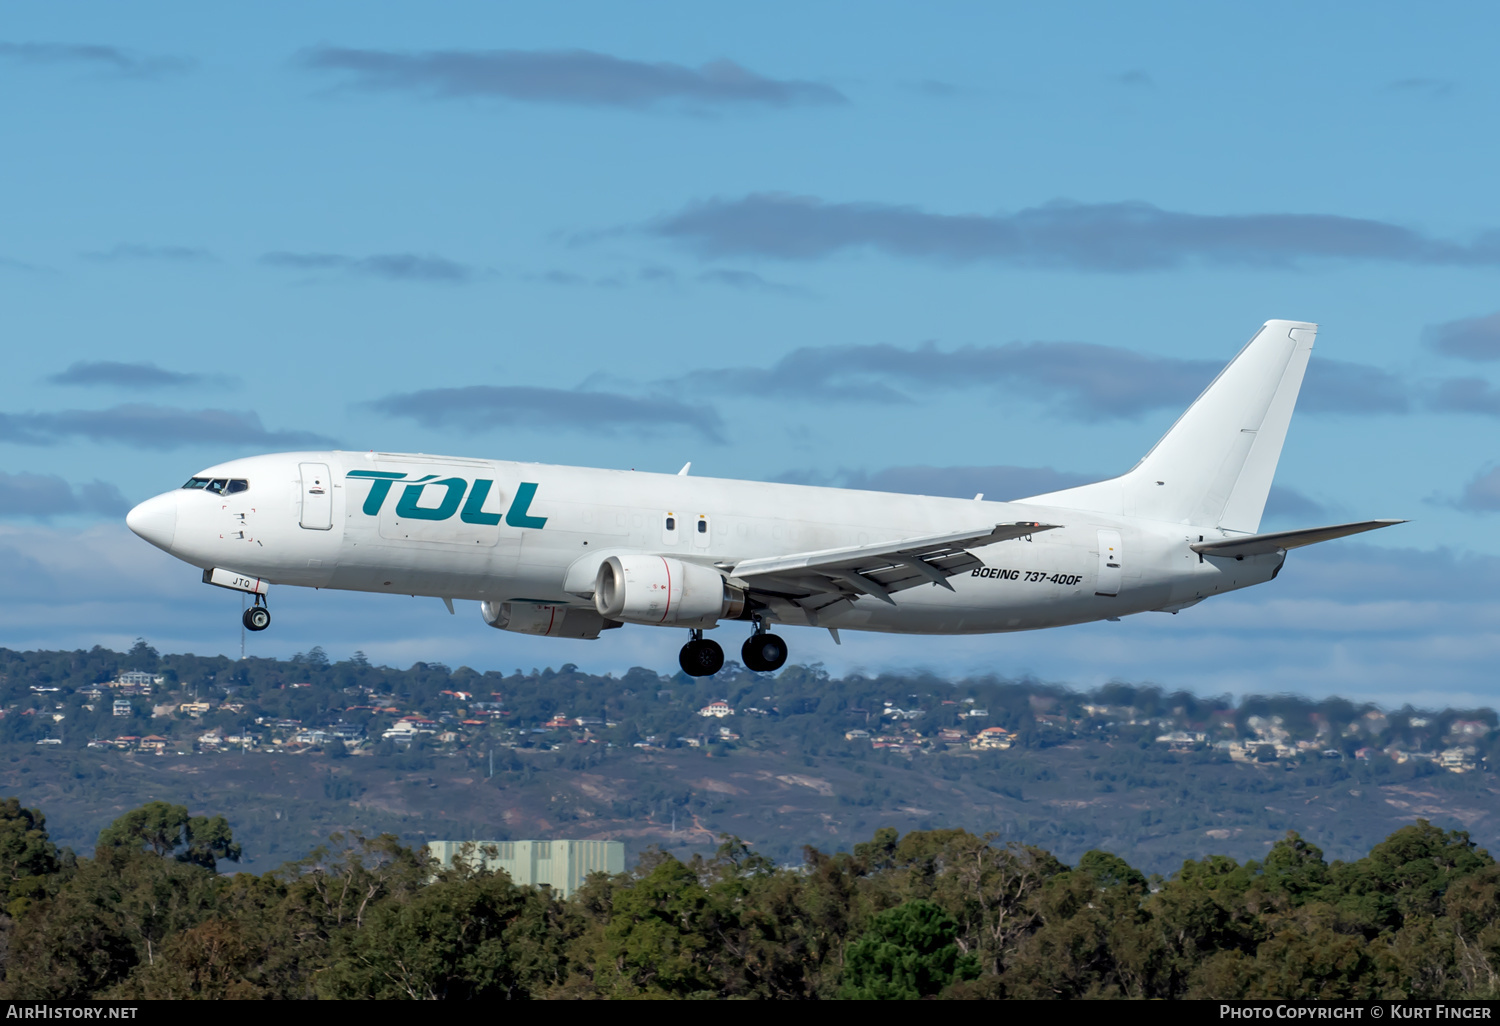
(518, 515)
(407, 506)
(379, 489)
(472, 513)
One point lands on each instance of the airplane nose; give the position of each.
(155, 520)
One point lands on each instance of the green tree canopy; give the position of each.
(908, 952)
(164, 829)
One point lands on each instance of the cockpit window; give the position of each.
(220, 485)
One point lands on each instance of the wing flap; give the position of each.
(1263, 544)
(876, 569)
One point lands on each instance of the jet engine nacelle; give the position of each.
(545, 619)
(658, 589)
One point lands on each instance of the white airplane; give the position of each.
(571, 552)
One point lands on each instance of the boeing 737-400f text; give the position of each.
(571, 552)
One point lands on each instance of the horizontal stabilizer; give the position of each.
(1262, 544)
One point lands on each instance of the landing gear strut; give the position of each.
(701, 657)
(257, 617)
(762, 651)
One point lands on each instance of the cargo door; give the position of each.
(1111, 559)
(317, 497)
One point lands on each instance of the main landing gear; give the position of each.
(257, 617)
(762, 652)
(701, 657)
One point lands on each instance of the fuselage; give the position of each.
(499, 531)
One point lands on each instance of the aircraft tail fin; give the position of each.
(1214, 467)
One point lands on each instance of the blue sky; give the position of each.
(937, 247)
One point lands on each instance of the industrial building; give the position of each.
(561, 865)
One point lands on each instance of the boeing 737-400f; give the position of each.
(570, 552)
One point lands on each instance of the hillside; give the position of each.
(803, 759)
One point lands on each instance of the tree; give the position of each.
(908, 952)
(27, 855)
(457, 938)
(165, 828)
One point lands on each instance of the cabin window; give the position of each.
(703, 527)
(671, 523)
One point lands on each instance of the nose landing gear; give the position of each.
(257, 617)
(762, 651)
(701, 657)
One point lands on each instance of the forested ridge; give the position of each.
(940, 913)
(294, 750)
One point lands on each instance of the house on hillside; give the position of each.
(136, 679)
(1457, 760)
(717, 708)
(992, 738)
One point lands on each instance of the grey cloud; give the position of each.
(1482, 494)
(1337, 386)
(480, 407)
(172, 254)
(748, 281)
(139, 376)
(1469, 338)
(1080, 380)
(578, 77)
(1465, 395)
(105, 58)
(567, 279)
(1432, 88)
(46, 495)
(22, 266)
(1083, 380)
(1290, 504)
(997, 483)
(391, 266)
(1110, 237)
(144, 426)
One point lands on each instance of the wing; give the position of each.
(817, 580)
(1262, 544)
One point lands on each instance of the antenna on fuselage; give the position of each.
(685, 468)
